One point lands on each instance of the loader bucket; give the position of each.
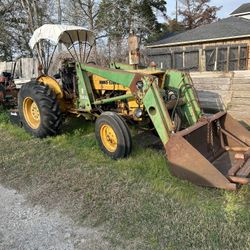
(215, 152)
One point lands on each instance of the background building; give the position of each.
(219, 46)
(217, 56)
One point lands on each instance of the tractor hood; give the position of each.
(65, 34)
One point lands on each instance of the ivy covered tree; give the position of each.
(117, 18)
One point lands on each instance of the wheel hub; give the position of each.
(108, 137)
(35, 111)
(31, 112)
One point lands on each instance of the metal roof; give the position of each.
(224, 29)
(243, 9)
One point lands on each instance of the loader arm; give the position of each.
(181, 83)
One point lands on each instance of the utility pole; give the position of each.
(176, 11)
(59, 12)
(59, 19)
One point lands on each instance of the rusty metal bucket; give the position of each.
(215, 152)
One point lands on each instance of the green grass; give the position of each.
(135, 201)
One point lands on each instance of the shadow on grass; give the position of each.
(72, 124)
(4, 118)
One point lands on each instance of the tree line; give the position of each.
(110, 20)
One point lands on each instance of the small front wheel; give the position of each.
(113, 135)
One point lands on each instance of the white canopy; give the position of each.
(66, 34)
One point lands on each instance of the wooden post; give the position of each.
(238, 62)
(228, 53)
(216, 59)
(134, 51)
(202, 60)
(183, 59)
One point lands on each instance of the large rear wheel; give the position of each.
(39, 110)
(113, 135)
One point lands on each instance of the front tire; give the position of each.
(39, 110)
(113, 135)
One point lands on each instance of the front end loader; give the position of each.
(206, 150)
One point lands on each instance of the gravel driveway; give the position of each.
(25, 227)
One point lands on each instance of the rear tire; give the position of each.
(39, 110)
(113, 135)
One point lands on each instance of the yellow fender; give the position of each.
(53, 84)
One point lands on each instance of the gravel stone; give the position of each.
(26, 227)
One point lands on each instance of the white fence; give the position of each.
(26, 68)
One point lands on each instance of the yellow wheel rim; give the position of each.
(31, 112)
(109, 138)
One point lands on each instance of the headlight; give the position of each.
(138, 112)
(139, 85)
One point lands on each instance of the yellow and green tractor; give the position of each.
(206, 150)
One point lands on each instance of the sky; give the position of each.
(228, 6)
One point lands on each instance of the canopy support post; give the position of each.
(73, 45)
